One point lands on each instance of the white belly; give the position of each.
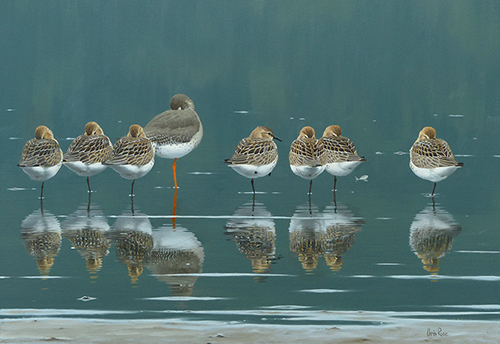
(341, 169)
(433, 174)
(252, 171)
(173, 151)
(85, 170)
(307, 172)
(133, 171)
(41, 174)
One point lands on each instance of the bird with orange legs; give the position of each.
(175, 132)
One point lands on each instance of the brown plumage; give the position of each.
(42, 151)
(431, 152)
(306, 150)
(257, 149)
(431, 158)
(133, 149)
(91, 147)
(338, 148)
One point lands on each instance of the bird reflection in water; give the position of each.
(87, 229)
(329, 234)
(341, 228)
(41, 234)
(432, 233)
(176, 255)
(307, 235)
(133, 239)
(253, 230)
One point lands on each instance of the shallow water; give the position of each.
(278, 257)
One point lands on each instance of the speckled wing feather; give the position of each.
(131, 151)
(432, 153)
(173, 126)
(307, 153)
(254, 152)
(89, 149)
(340, 149)
(43, 153)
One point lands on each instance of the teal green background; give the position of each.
(381, 70)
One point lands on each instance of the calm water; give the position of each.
(380, 69)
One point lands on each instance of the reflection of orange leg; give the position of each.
(175, 175)
(174, 210)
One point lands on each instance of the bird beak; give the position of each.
(274, 137)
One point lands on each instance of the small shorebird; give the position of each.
(307, 155)
(175, 132)
(86, 154)
(42, 157)
(431, 158)
(133, 155)
(342, 157)
(256, 155)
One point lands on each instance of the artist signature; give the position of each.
(437, 333)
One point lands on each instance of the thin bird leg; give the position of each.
(132, 198)
(90, 193)
(253, 189)
(310, 186)
(41, 202)
(310, 206)
(432, 194)
(174, 209)
(335, 200)
(41, 194)
(334, 183)
(175, 175)
(88, 206)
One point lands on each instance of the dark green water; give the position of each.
(381, 70)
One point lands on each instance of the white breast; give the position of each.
(133, 171)
(433, 174)
(41, 174)
(307, 172)
(254, 171)
(85, 170)
(341, 169)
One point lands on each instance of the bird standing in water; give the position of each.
(431, 158)
(256, 155)
(133, 155)
(342, 157)
(175, 132)
(307, 155)
(42, 156)
(87, 153)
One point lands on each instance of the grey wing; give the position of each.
(173, 126)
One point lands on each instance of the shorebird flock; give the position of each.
(176, 132)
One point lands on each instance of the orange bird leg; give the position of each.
(173, 169)
(174, 210)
